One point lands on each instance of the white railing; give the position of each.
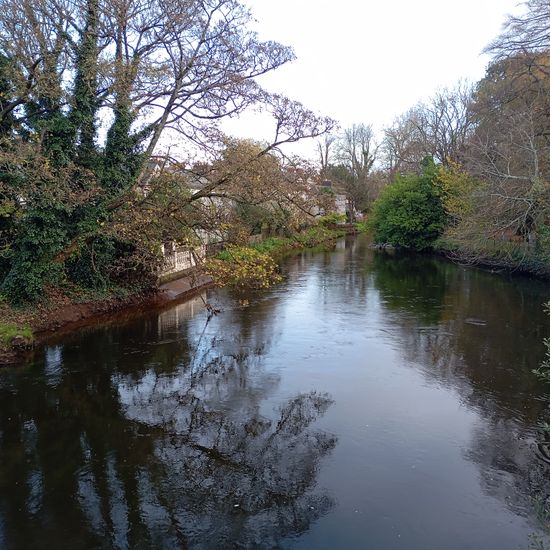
(180, 258)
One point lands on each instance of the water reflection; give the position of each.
(166, 444)
(164, 431)
(472, 330)
(480, 335)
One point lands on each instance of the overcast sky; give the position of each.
(369, 61)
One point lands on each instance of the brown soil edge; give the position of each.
(60, 321)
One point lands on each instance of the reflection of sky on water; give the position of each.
(53, 364)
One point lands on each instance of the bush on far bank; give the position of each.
(409, 213)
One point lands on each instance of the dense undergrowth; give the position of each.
(442, 209)
(511, 256)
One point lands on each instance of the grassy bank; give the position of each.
(10, 332)
(255, 266)
(16, 336)
(276, 246)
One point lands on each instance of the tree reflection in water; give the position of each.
(454, 330)
(142, 451)
(162, 432)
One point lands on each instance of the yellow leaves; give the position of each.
(243, 268)
(455, 186)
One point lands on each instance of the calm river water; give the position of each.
(371, 401)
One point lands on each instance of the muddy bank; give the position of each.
(50, 323)
(75, 316)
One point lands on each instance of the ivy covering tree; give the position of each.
(90, 92)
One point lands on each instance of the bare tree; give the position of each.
(522, 51)
(511, 159)
(355, 154)
(178, 66)
(403, 147)
(446, 123)
(35, 38)
(357, 150)
(527, 33)
(325, 148)
(439, 128)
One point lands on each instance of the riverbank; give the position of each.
(499, 256)
(23, 329)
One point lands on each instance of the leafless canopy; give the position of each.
(527, 33)
(439, 128)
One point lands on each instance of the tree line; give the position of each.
(110, 144)
(470, 166)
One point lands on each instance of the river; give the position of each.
(371, 400)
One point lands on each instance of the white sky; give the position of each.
(369, 61)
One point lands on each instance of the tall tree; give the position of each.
(96, 88)
(355, 155)
(439, 128)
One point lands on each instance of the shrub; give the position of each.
(243, 268)
(409, 213)
(361, 227)
(317, 235)
(272, 244)
(332, 219)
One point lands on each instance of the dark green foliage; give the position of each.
(122, 159)
(56, 130)
(52, 212)
(94, 264)
(88, 265)
(42, 237)
(409, 212)
(86, 101)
